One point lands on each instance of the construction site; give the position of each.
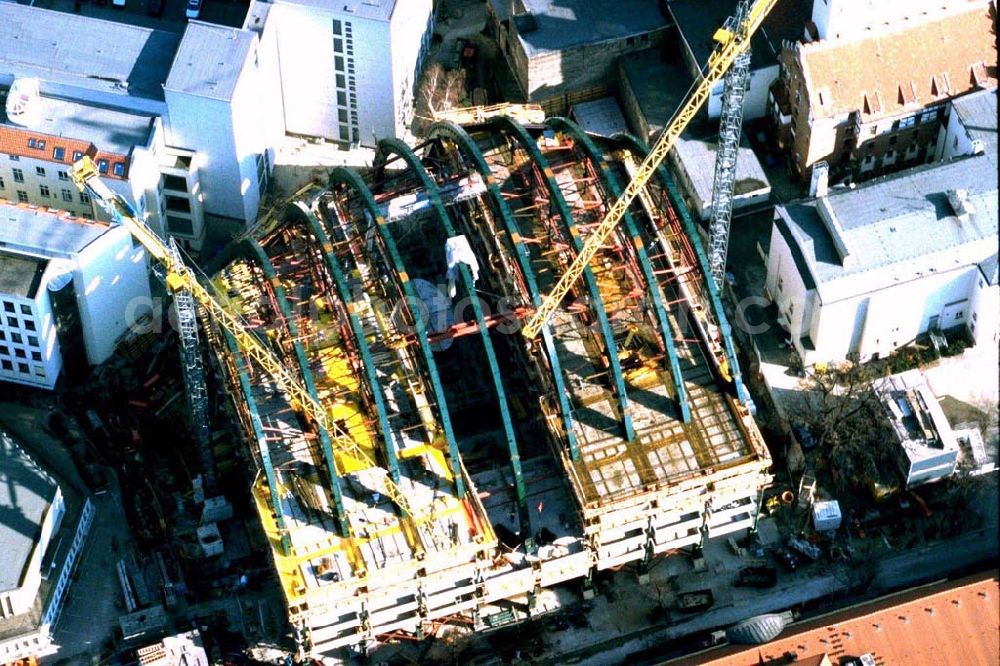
(617, 436)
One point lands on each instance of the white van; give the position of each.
(193, 9)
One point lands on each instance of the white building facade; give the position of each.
(349, 69)
(862, 272)
(69, 289)
(38, 569)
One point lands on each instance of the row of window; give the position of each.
(103, 165)
(6, 352)
(15, 337)
(43, 190)
(23, 368)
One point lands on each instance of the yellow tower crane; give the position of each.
(730, 43)
(180, 277)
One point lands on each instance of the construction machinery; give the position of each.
(180, 278)
(528, 114)
(731, 42)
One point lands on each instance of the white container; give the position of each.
(826, 515)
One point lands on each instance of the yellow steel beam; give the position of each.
(729, 46)
(179, 276)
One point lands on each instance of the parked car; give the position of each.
(118, 3)
(193, 9)
(155, 7)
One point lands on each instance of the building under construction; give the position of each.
(621, 433)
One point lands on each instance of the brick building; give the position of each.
(874, 103)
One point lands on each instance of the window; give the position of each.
(63, 175)
(174, 183)
(6, 365)
(338, 45)
(67, 195)
(39, 171)
(29, 325)
(340, 81)
(907, 122)
(8, 306)
(14, 158)
(119, 169)
(102, 166)
(22, 368)
(36, 356)
(893, 139)
(869, 159)
(338, 63)
(179, 225)
(59, 153)
(18, 175)
(43, 190)
(22, 196)
(32, 143)
(41, 144)
(84, 198)
(15, 337)
(19, 353)
(337, 28)
(178, 204)
(341, 98)
(77, 155)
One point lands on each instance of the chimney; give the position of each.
(819, 185)
(959, 200)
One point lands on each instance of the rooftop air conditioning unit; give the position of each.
(24, 102)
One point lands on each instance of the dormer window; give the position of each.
(119, 169)
(58, 153)
(102, 166)
(32, 143)
(77, 155)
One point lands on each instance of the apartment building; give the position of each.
(566, 51)
(871, 103)
(861, 272)
(69, 288)
(40, 551)
(183, 122)
(348, 69)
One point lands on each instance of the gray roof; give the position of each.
(379, 10)
(563, 24)
(110, 131)
(26, 492)
(20, 275)
(659, 86)
(698, 157)
(978, 113)
(46, 233)
(896, 228)
(698, 20)
(209, 60)
(67, 48)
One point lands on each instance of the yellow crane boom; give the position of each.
(180, 276)
(730, 43)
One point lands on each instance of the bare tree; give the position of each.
(440, 89)
(844, 414)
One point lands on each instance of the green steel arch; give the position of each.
(253, 252)
(471, 151)
(524, 139)
(677, 202)
(298, 211)
(395, 146)
(351, 180)
(258, 432)
(610, 180)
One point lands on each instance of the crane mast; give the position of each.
(734, 90)
(731, 42)
(179, 277)
(194, 371)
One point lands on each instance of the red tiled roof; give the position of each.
(952, 623)
(24, 142)
(887, 73)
